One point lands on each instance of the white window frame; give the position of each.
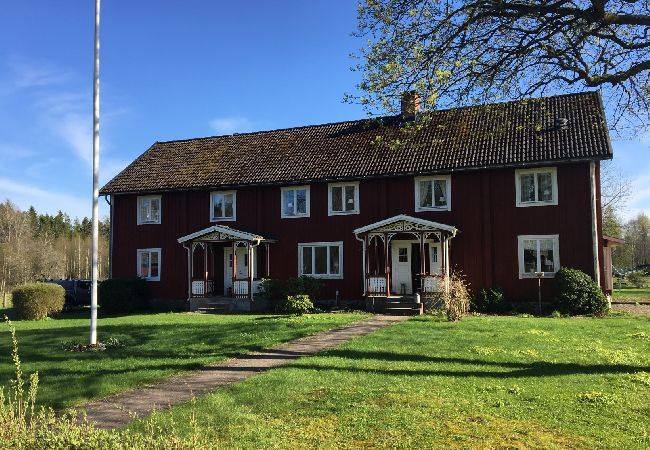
(139, 252)
(417, 180)
(538, 237)
(142, 198)
(234, 206)
(356, 209)
(296, 215)
(329, 276)
(535, 171)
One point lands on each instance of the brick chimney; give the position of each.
(410, 104)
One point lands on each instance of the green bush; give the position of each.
(123, 295)
(277, 291)
(296, 304)
(577, 293)
(637, 279)
(490, 301)
(34, 301)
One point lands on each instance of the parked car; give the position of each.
(77, 292)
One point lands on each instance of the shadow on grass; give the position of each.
(510, 369)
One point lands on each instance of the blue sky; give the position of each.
(173, 70)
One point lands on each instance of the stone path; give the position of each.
(120, 409)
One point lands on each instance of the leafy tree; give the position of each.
(461, 52)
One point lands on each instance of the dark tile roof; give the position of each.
(501, 134)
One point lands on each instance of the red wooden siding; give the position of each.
(482, 208)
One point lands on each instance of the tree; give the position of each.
(456, 52)
(637, 237)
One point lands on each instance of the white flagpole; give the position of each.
(93, 295)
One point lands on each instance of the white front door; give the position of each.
(401, 264)
(242, 267)
(435, 257)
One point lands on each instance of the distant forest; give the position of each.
(37, 246)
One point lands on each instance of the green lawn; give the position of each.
(157, 346)
(486, 382)
(633, 294)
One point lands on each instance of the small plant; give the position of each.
(556, 314)
(577, 293)
(594, 398)
(35, 301)
(277, 291)
(456, 298)
(296, 304)
(110, 343)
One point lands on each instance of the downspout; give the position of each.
(594, 221)
(363, 242)
(110, 236)
(189, 276)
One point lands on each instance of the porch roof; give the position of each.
(403, 222)
(222, 233)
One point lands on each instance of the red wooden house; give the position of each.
(375, 208)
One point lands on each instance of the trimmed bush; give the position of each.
(296, 304)
(577, 293)
(277, 291)
(35, 301)
(637, 279)
(123, 295)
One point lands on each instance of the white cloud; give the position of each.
(231, 124)
(26, 75)
(46, 201)
(640, 198)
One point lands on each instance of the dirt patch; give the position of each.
(635, 308)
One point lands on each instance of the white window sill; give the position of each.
(295, 216)
(223, 219)
(149, 223)
(321, 276)
(342, 213)
(527, 204)
(533, 276)
(150, 279)
(432, 208)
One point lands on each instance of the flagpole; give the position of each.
(95, 224)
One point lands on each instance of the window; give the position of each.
(343, 199)
(321, 259)
(149, 209)
(538, 254)
(149, 264)
(295, 201)
(433, 193)
(403, 255)
(536, 187)
(223, 206)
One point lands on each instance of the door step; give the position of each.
(403, 309)
(214, 308)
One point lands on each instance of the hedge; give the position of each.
(35, 301)
(123, 295)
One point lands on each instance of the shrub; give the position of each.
(457, 298)
(490, 300)
(34, 301)
(277, 291)
(296, 304)
(577, 293)
(637, 279)
(123, 295)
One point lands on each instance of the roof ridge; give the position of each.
(377, 118)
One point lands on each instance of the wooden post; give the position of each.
(423, 266)
(367, 261)
(268, 260)
(249, 250)
(234, 267)
(387, 264)
(205, 269)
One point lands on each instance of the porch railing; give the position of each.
(432, 284)
(202, 288)
(240, 288)
(376, 286)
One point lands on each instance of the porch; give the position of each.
(404, 256)
(225, 265)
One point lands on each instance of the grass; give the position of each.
(157, 346)
(485, 382)
(633, 294)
